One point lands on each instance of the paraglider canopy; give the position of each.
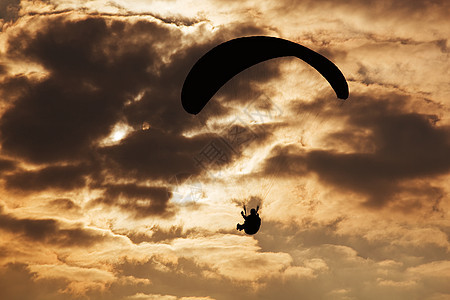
(226, 60)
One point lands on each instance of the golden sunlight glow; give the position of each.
(146, 126)
(118, 133)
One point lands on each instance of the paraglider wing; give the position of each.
(226, 60)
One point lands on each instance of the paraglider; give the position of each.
(252, 221)
(228, 59)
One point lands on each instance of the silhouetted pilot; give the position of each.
(252, 221)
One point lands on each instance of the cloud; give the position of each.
(155, 153)
(161, 106)
(7, 165)
(64, 204)
(89, 84)
(81, 279)
(226, 259)
(17, 282)
(54, 177)
(142, 296)
(50, 231)
(60, 117)
(9, 10)
(156, 234)
(142, 201)
(388, 147)
(433, 269)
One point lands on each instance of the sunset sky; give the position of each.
(106, 192)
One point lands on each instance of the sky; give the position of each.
(110, 190)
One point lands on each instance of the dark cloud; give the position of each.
(54, 177)
(155, 154)
(64, 204)
(285, 160)
(49, 231)
(3, 69)
(7, 165)
(442, 44)
(45, 127)
(391, 146)
(142, 201)
(12, 87)
(90, 79)
(157, 234)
